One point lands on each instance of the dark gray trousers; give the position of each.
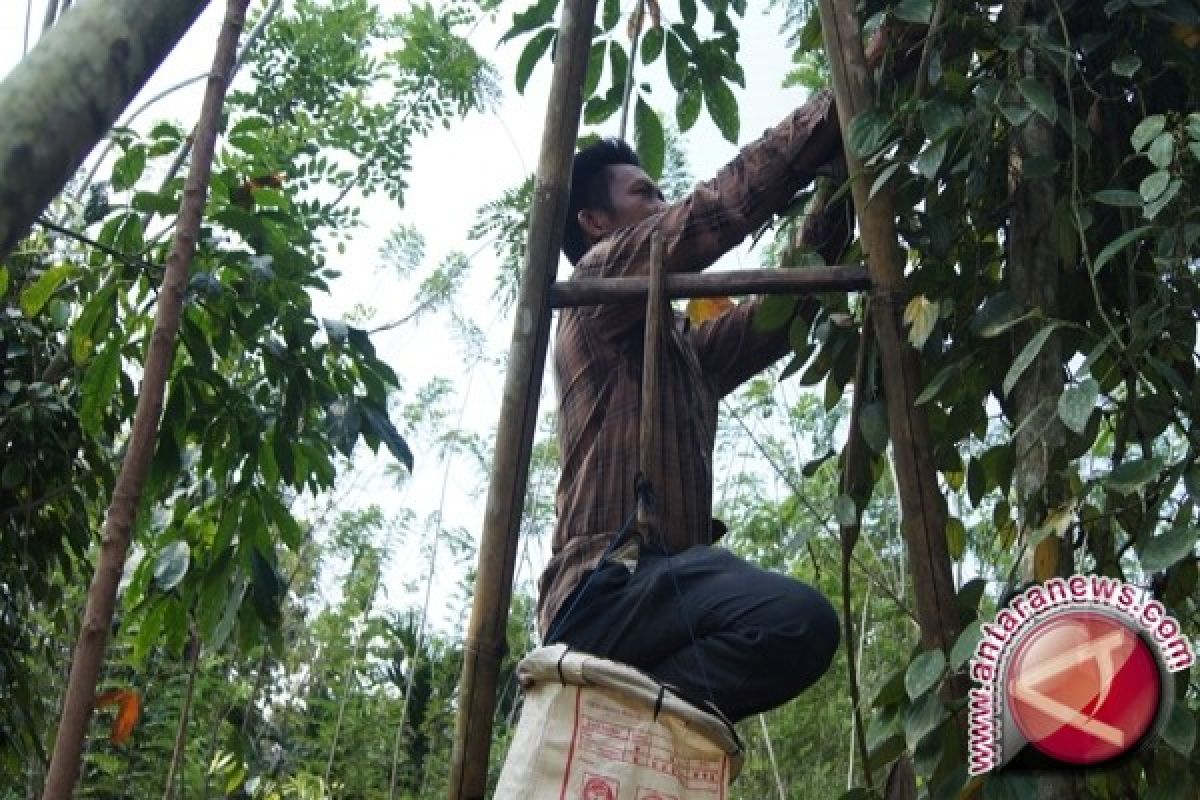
(757, 638)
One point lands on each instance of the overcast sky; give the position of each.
(455, 172)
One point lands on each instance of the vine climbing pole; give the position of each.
(485, 644)
(921, 504)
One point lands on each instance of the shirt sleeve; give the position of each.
(732, 350)
(720, 212)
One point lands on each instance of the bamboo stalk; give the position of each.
(102, 595)
(923, 516)
(485, 641)
(84, 70)
(650, 432)
(593, 291)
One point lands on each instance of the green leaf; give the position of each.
(924, 673)
(1016, 115)
(383, 428)
(956, 538)
(1039, 97)
(873, 423)
(171, 565)
(922, 717)
(1116, 246)
(595, 68)
(1154, 185)
(773, 312)
(1126, 66)
(1027, 355)
(939, 117)
(915, 11)
(722, 107)
(652, 44)
(1162, 150)
(611, 14)
(1152, 209)
(129, 168)
(687, 106)
(882, 178)
(1180, 730)
(1122, 198)
(98, 385)
(677, 62)
(535, 16)
(3, 281)
(869, 132)
(998, 313)
(1147, 131)
(12, 475)
(1075, 405)
(649, 138)
(534, 49)
(1191, 481)
(965, 646)
(845, 511)
(1009, 785)
(1166, 549)
(34, 297)
(687, 10)
(1133, 475)
(233, 604)
(935, 384)
(930, 159)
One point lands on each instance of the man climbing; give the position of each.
(693, 616)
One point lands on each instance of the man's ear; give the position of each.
(594, 223)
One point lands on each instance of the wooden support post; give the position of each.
(811, 280)
(658, 316)
(485, 643)
(924, 519)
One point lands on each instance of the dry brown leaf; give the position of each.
(703, 309)
(129, 710)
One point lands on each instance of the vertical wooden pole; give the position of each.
(921, 503)
(650, 433)
(485, 644)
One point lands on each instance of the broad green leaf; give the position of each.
(939, 117)
(229, 615)
(873, 423)
(956, 537)
(845, 511)
(687, 10)
(1166, 549)
(98, 385)
(1122, 198)
(387, 433)
(129, 168)
(1039, 97)
(677, 62)
(1016, 115)
(1153, 208)
(1027, 355)
(688, 105)
(1009, 785)
(1180, 730)
(533, 17)
(171, 565)
(1116, 246)
(534, 49)
(3, 280)
(12, 475)
(652, 44)
(773, 312)
(649, 138)
(915, 11)
(922, 717)
(998, 313)
(1162, 150)
(869, 132)
(883, 177)
(1133, 475)
(1154, 185)
(595, 68)
(936, 383)
(611, 14)
(964, 648)
(1126, 66)
(1076, 403)
(930, 159)
(34, 297)
(924, 673)
(1147, 131)
(722, 107)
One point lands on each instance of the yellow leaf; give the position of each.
(1045, 559)
(1187, 35)
(129, 709)
(703, 309)
(920, 315)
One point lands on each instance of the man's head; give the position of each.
(609, 191)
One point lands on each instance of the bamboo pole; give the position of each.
(485, 643)
(114, 546)
(61, 99)
(593, 291)
(650, 432)
(924, 519)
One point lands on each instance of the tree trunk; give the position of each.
(921, 503)
(98, 615)
(62, 98)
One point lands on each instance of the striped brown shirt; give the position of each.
(598, 357)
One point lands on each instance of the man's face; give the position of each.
(633, 196)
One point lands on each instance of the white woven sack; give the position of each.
(589, 731)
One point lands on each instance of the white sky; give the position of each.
(455, 172)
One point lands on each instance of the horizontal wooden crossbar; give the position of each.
(809, 280)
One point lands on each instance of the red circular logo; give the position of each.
(1083, 687)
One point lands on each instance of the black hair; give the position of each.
(589, 188)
